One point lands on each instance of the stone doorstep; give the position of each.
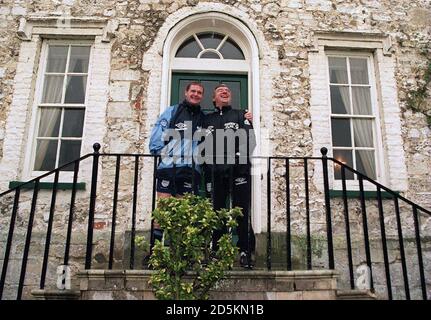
(40, 294)
(279, 281)
(253, 284)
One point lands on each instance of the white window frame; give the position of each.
(377, 132)
(33, 30)
(379, 46)
(30, 154)
(212, 50)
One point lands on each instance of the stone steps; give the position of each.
(237, 285)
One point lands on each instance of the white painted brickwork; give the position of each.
(391, 123)
(97, 96)
(20, 112)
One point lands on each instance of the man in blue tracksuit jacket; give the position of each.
(172, 138)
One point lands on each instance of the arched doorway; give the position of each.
(213, 47)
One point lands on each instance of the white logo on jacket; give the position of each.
(231, 125)
(164, 123)
(239, 181)
(181, 126)
(209, 130)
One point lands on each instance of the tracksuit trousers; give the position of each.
(237, 189)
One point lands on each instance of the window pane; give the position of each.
(341, 136)
(365, 163)
(46, 152)
(340, 101)
(344, 156)
(73, 122)
(189, 49)
(337, 70)
(57, 57)
(210, 40)
(69, 151)
(361, 100)
(230, 50)
(358, 71)
(75, 90)
(79, 57)
(235, 90)
(49, 122)
(207, 101)
(363, 133)
(210, 55)
(52, 89)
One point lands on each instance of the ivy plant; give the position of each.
(186, 268)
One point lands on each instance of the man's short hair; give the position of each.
(221, 85)
(195, 83)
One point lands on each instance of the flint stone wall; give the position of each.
(285, 31)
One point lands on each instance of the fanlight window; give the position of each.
(210, 45)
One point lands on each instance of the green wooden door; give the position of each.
(237, 84)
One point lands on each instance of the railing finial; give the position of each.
(96, 147)
(324, 151)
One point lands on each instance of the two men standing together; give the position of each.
(182, 132)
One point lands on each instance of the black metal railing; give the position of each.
(362, 209)
(297, 186)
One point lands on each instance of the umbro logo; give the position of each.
(165, 183)
(231, 125)
(209, 130)
(164, 123)
(181, 126)
(239, 181)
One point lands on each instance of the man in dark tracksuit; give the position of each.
(229, 172)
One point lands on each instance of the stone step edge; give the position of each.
(297, 274)
(356, 294)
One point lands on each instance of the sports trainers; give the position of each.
(244, 260)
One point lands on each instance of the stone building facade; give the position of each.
(290, 50)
